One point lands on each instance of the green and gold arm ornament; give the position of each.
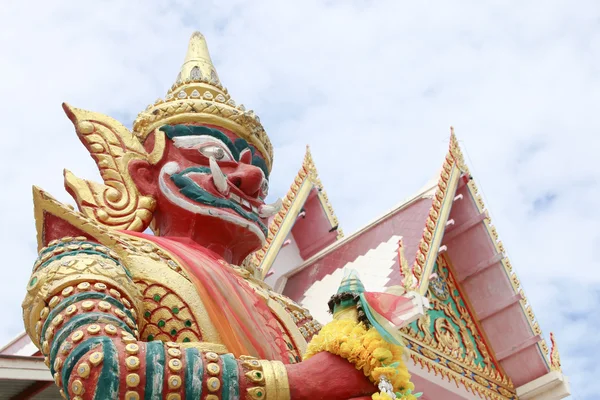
(82, 310)
(363, 332)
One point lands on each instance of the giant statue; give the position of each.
(143, 292)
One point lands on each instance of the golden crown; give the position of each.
(198, 96)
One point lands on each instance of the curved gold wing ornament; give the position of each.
(117, 203)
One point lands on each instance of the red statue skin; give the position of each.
(324, 376)
(232, 242)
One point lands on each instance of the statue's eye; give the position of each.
(264, 187)
(217, 152)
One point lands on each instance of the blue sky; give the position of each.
(373, 87)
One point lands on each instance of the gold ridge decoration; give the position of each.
(440, 348)
(456, 152)
(554, 356)
(438, 213)
(408, 278)
(506, 264)
(483, 389)
(313, 175)
(198, 96)
(308, 171)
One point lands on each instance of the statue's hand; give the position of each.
(326, 376)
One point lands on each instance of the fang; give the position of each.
(268, 210)
(219, 179)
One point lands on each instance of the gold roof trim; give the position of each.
(306, 179)
(525, 306)
(453, 376)
(554, 356)
(435, 223)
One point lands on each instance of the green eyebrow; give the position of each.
(193, 130)
(236, 148)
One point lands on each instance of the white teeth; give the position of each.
(235, 198)
(218, 177)
(268, 210)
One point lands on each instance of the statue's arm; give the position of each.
(83, 311)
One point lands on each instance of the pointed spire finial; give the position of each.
(197, 64)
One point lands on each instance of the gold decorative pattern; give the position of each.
(313, 175)
(306, 179)
(198, 96)
(408, 278)
(463, 350)
(435, 223)
(116, 203)
(168, 317)
(474, 192)
(446, 370)
(135, 245)
(554, 356)
(61, 274)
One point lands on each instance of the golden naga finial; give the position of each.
(198, 97)
(554, 356)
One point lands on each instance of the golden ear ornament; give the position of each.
(117, 202)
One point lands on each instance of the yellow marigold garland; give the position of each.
(369, 352)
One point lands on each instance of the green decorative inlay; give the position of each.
(80, 321)
(81, 297)
(443, 290)
(161, 323)
(81, 350)
(194, 374)
(230, 378)
(234, 147)
(173, 332)
(107, 385)
(175, 310)
(155, 371)
(77, 242)
(190, 189)
(186, 340)
(188, 323)
(150, 338)
(156, 297)
(147, 314)
(33, 281)
(81, 251)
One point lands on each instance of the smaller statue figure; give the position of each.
(364, 331)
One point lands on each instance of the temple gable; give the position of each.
(449, 335)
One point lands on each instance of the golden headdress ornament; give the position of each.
(196, 97)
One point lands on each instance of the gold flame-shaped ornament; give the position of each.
(196, 97)
(116, 203)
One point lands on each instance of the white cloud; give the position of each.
(373, 88)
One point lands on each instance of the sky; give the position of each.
(373, 87)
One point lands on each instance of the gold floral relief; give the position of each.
(450, 338)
